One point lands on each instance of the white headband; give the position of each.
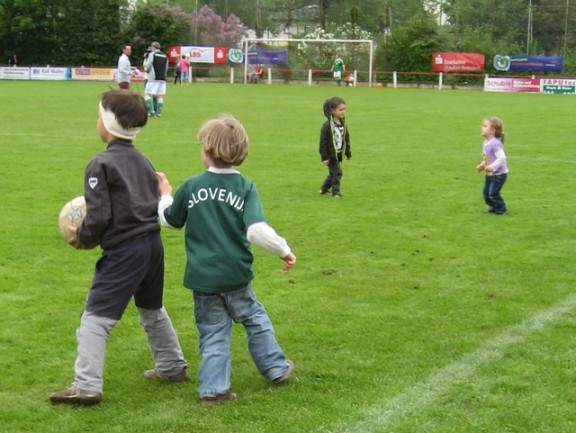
(113, 127)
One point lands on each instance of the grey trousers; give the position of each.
(92, 336)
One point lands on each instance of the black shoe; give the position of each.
(322, 192)
(337, 194)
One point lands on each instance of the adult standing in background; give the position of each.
(124, 68)
(184, 66)
(177, 72)
(338, 68)
(157, 68)
(13, 60)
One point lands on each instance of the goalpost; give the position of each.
(247, 41)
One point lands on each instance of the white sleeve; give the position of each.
(148, 62)
(500, 159)
(264, 236)
(165, 202)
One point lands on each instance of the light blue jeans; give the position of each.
(214, 314)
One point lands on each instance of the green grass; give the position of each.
(409, 309)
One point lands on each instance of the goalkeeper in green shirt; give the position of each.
(338, 68)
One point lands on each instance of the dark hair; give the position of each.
(128, 107)
(330, 104)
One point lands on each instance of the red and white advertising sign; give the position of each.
(220, 54)
(198, 54)
(496, 84)
(174, 54)
(457, 62)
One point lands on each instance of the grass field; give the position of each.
(410, 310)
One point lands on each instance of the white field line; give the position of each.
(427, 391)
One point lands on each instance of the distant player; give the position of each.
(156, 66)
(338, 68)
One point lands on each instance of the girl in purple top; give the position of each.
(494, 164)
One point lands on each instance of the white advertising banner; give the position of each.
(48, 73)
(512, 84)
(199, 54)
(14, 73)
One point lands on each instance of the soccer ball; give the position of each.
(378, 85)
(72, 214)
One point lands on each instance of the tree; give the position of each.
(209, 29)
(412, 45)
(321, 55)
(372, 14)
(497, 20)
(107, 38)
(76, 33)
(157, 23)
(553, 26)
(30, 29)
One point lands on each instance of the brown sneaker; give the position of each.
(155, 375)
(73, 395)
(219, 399)
(287, 373)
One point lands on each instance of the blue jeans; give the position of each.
(214, 314)
(491, 193)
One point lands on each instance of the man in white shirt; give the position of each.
(124, 68)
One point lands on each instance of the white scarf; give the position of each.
(113, 126)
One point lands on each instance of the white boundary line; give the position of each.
(427, 391)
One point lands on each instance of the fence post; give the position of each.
(232, 75)
(355, 78)
(309, 77)
(395, 79)
(440, 76)
(269, 75)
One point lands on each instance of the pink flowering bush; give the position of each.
(208, 29)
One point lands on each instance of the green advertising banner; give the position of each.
(558, 86)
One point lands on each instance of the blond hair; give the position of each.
(225, 141)
(496, 123)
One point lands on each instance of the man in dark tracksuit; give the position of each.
(121, 192)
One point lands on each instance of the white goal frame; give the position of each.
(246, 42)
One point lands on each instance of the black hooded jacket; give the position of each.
(326, 148)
